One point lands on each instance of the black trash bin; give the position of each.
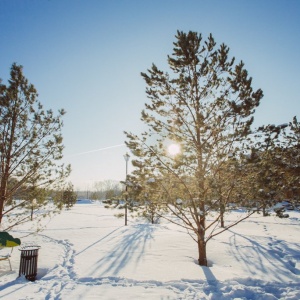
(28, 262)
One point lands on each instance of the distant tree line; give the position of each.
(106, 189)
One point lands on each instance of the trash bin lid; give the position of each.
(29, 247)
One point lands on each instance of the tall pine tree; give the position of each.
(30, 142)
(205, 104)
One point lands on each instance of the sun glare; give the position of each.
(174, 149)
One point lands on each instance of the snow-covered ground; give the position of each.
(86, 253)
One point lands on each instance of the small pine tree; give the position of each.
(69, 197)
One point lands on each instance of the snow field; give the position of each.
(87, 253)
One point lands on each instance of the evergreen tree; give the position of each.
(69, 197)
(264, 170)
(35, 198)
(30, 141)
(205, 104)
(226, 187)
(145, 192)
(290, 162)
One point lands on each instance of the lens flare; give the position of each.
(174, 149)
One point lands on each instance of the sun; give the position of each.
(174, 149)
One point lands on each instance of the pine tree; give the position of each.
(68, 196)
(264, 170)
(273, 167)
(205, 104)
(30, 141)
(145, 191)
(290, 162)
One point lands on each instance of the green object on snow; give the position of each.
(6, 240)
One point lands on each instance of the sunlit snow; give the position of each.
(87, 253)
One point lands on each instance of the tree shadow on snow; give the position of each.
(100, 240)
(129, 249)
(265, 255)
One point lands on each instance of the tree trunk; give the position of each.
(222, 219)
(2, 198)
(201, 237)
(222, 211)
(1, 208)
(264, 210)
(202, 252)
(31, 214)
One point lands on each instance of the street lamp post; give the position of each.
(126, 157)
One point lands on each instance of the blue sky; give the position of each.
(86, 56)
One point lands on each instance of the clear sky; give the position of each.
(86, 56)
